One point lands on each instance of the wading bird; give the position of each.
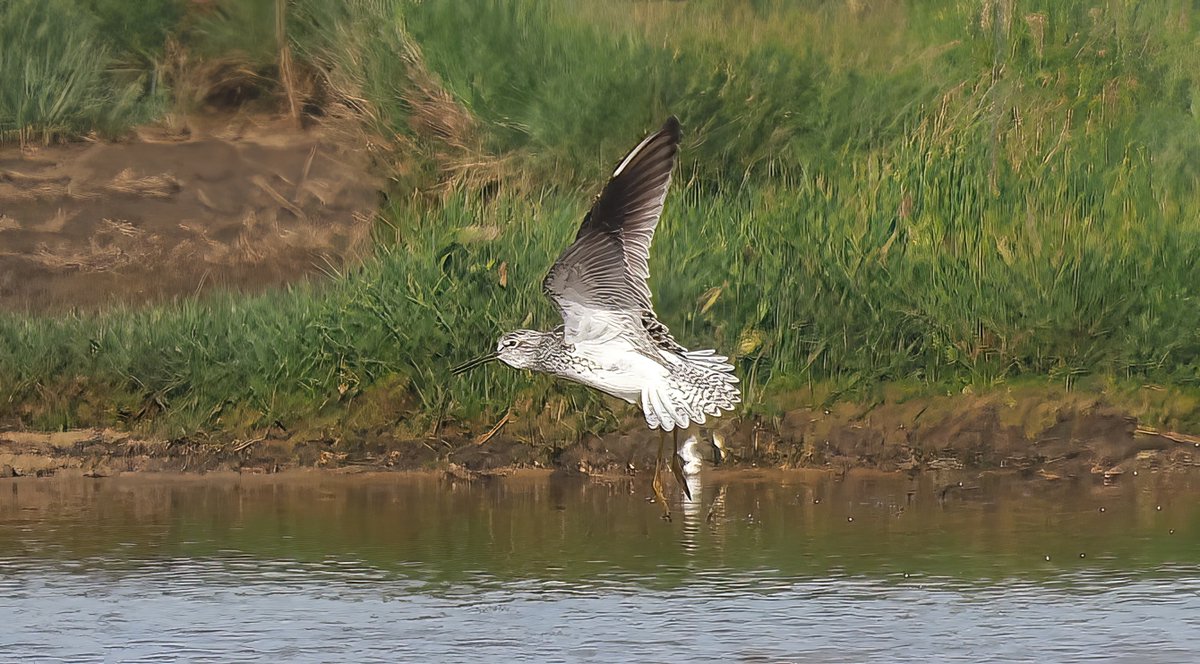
(610, 338)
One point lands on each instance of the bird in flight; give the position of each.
(611, 339)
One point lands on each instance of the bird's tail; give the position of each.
(701, 384)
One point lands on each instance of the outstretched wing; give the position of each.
(599, 282)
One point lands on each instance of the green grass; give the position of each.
(56, 74)
(870, 193)
(71, 68)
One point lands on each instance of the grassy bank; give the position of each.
(932, 194)
(61, 71)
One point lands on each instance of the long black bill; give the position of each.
(467, 366)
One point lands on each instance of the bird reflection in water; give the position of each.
(698, 451)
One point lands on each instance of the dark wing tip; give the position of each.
(656, 151)
(671, 128)
(606, 266)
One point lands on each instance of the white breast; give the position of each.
(616, 369)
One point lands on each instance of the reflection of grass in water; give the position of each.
(969, 199)
(589, 534)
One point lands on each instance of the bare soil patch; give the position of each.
(241, 203)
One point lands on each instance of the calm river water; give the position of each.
(757, 568)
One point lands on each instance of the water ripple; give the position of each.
(283, 573)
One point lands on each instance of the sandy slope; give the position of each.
(245, 203)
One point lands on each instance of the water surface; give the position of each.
(766, 568)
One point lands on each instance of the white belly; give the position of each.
(622, 372)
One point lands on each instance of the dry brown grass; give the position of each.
(439, 127)
(452, 131)
(115, 244)
(221, 83)
(159, 186)
(19, 187)
(100, 256)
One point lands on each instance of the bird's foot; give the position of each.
(660, 496)
(677, 470)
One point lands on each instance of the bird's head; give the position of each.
(518, 350)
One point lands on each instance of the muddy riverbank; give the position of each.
(244, 203)
(1064, 436)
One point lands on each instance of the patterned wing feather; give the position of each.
(603, 273)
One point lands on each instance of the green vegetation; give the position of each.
(56, 74)
(949, 193)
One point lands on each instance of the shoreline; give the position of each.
(1035, 433)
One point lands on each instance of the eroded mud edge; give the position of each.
(1062, 438)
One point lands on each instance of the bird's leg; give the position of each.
(677, 466)
(658, 489)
